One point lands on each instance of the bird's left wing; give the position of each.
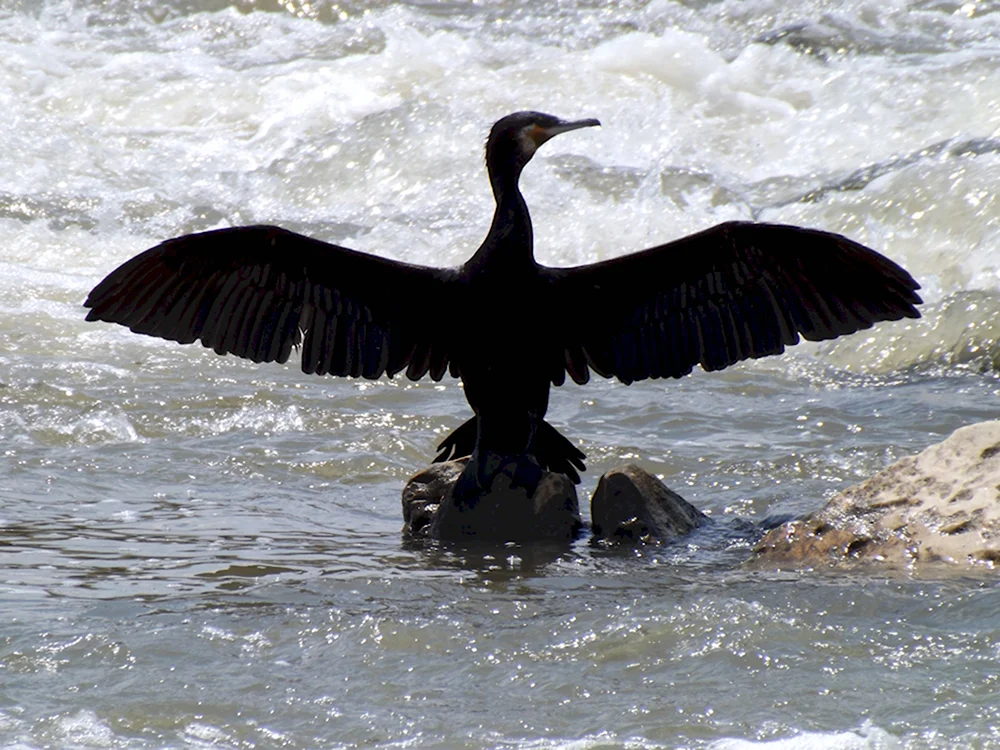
(259, 291)
(736, 291)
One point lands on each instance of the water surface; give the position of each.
(200, 552)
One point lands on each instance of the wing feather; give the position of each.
(258, 292)
(251, 342)
(314, 344)
(737, 291)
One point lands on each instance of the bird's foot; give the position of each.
(525, 472)
(483, 471)
(467, 491)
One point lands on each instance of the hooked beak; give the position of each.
(539, 134)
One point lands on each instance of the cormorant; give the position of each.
(506, 325)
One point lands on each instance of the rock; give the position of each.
(505, 514)
(631, 505)
(423, 494)
(939, 506)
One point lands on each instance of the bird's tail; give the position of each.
(552, 450)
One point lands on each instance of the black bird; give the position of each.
(508, 326)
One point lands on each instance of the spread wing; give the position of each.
(737, 291)
(259, 291)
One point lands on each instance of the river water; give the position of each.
(199, 552)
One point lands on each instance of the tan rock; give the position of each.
(940, 506)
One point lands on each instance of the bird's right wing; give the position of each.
(736, 291)
(259, 291)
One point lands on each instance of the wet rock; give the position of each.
(630, 505)
(423, 494)
(506, 513)
(941, 506)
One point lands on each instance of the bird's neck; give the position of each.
(509, 242)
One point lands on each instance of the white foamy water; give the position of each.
(200, 552)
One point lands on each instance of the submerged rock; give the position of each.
(631, 505)
(939, 506)
(506, 513)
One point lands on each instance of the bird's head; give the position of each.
(515, 138)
